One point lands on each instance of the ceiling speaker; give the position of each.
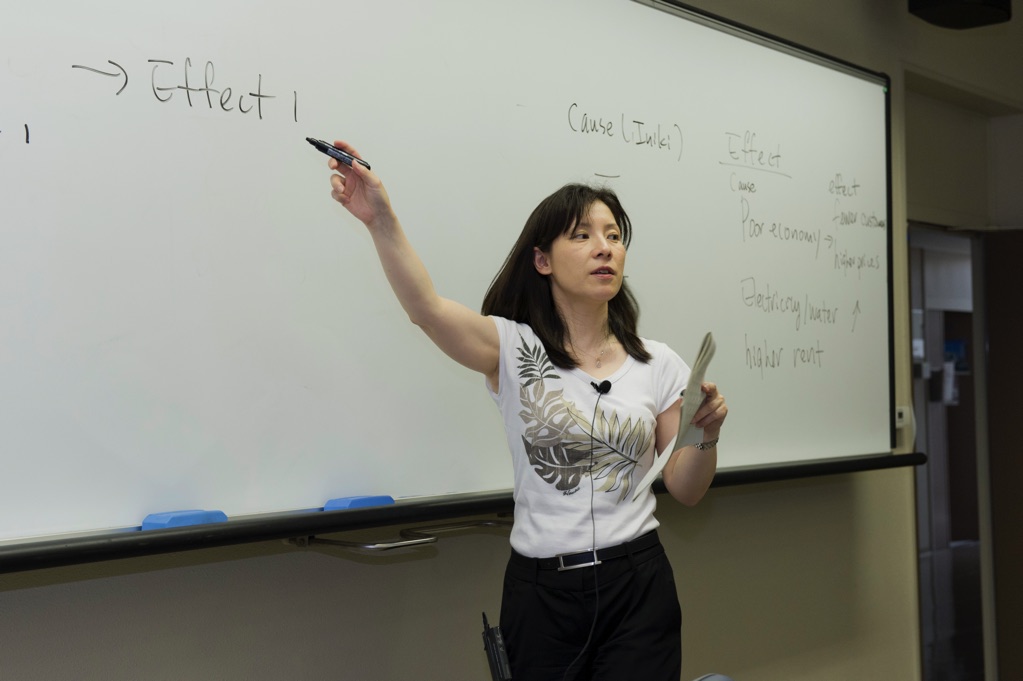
(962, 13)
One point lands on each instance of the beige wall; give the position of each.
(806, 579)
(955, 140)
(803, 580)
(1003, 252)
(1005, 170)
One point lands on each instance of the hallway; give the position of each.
(951, 623)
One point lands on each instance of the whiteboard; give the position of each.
(187, 320)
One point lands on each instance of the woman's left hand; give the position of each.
(712, 413)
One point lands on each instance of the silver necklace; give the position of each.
(603, 351)
(607, 346)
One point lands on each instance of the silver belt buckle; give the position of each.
(561, 560)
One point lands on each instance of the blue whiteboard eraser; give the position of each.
(357, 502)
(159, 521)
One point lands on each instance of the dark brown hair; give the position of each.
(522, 294)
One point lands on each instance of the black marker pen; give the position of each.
(334, 152)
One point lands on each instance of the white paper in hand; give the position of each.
(692, 399)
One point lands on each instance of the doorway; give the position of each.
(949, 523)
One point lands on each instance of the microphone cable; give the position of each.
(602, 389)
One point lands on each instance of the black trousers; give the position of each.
(547, 616)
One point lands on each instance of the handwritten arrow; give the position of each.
(856, 313)
(104, 73)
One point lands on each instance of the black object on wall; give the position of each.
(962, 13)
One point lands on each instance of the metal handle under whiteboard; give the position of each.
(409, 536)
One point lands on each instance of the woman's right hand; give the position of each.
(358, 189)
(463, 334)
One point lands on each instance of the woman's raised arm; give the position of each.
(463, 334)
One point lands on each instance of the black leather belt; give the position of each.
(572, 561)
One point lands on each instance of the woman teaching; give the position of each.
(587, 405)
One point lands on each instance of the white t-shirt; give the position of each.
(548, 413)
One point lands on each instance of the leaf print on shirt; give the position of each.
(557, 465)
(534, 365)
(557, 437)
(617, 448)
(548, 421)
(546, 415)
